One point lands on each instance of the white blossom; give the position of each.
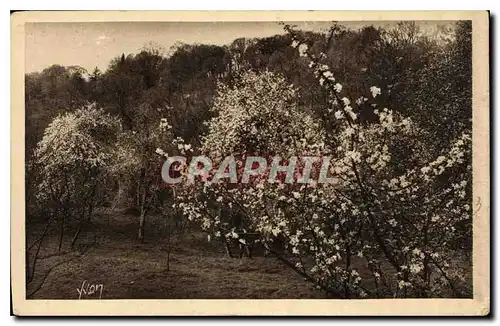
(375, 91)
(303, 49)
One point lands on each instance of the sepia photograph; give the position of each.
(338, 158)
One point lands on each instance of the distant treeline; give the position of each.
(423, 77)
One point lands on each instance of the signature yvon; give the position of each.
(90, 290)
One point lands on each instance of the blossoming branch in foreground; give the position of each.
(294, 170)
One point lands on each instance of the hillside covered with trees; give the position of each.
(394, 106)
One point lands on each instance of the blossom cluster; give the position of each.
(75, 150)
(387, 207)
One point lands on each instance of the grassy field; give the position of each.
(127, 269)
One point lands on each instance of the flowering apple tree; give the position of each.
(138, 162)
(384, 228)
(74, 156)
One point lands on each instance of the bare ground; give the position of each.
(199, 269)
(131, 270)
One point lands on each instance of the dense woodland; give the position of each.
(112, 117)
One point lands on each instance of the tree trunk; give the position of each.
(31, 275)
(228, 248)
(142, 217)
(142, 222)
(347, 267)
(75, 237)
(168, 261)
(169, 246)
(61, 230)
